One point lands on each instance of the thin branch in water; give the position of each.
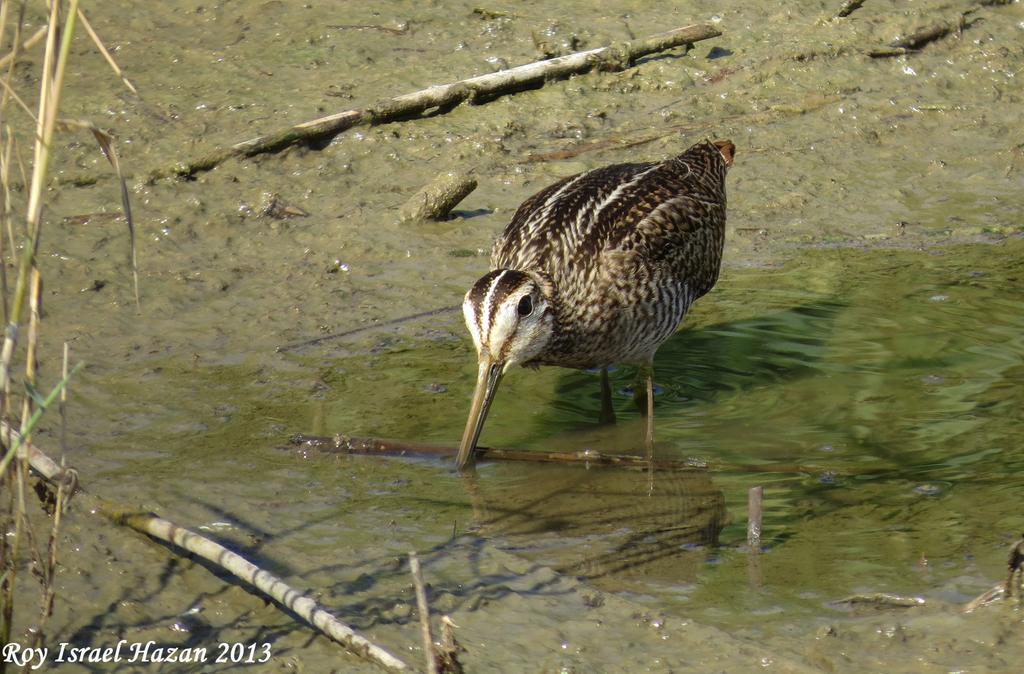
(424, 611)
(266, 583)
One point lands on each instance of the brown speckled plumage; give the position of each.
(613, 257)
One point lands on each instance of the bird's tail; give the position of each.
(727, 149)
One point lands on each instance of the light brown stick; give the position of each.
(445, 96)
(436, 199)
(424, 611)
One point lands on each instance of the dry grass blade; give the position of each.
(106, 143)
(106, 54)
(17, 99)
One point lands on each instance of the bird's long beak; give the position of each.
(486, 384)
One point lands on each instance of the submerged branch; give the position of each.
(444, 97)
(343, 444)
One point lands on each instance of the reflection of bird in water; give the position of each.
(599, 268)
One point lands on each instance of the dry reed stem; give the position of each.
(106, 54)
(196, 544)
(49, 100)
(8, 90)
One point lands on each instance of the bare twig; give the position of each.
(446, 96)
(355, 331)
(187, 540)
(424, 611)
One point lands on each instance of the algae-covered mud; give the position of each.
(861, 358)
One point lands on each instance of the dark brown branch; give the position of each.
(474, 89)
(343, 444)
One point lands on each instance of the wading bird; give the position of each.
(596, 269)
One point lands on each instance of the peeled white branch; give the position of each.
(199, 545)
(446, 96)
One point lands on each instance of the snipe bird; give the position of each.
(598, 268)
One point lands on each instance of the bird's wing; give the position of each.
(623, 217)
(569, 219)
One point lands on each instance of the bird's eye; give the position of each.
(525, 307)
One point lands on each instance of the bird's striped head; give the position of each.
(509, 315)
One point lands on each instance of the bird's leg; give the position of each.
(649, 438)
(607, 415)
(648, 371)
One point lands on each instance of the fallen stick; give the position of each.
(436, 199)
(167, 531)
(446, 96)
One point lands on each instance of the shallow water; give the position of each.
(861, 357)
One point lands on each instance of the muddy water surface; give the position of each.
(861, 357)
